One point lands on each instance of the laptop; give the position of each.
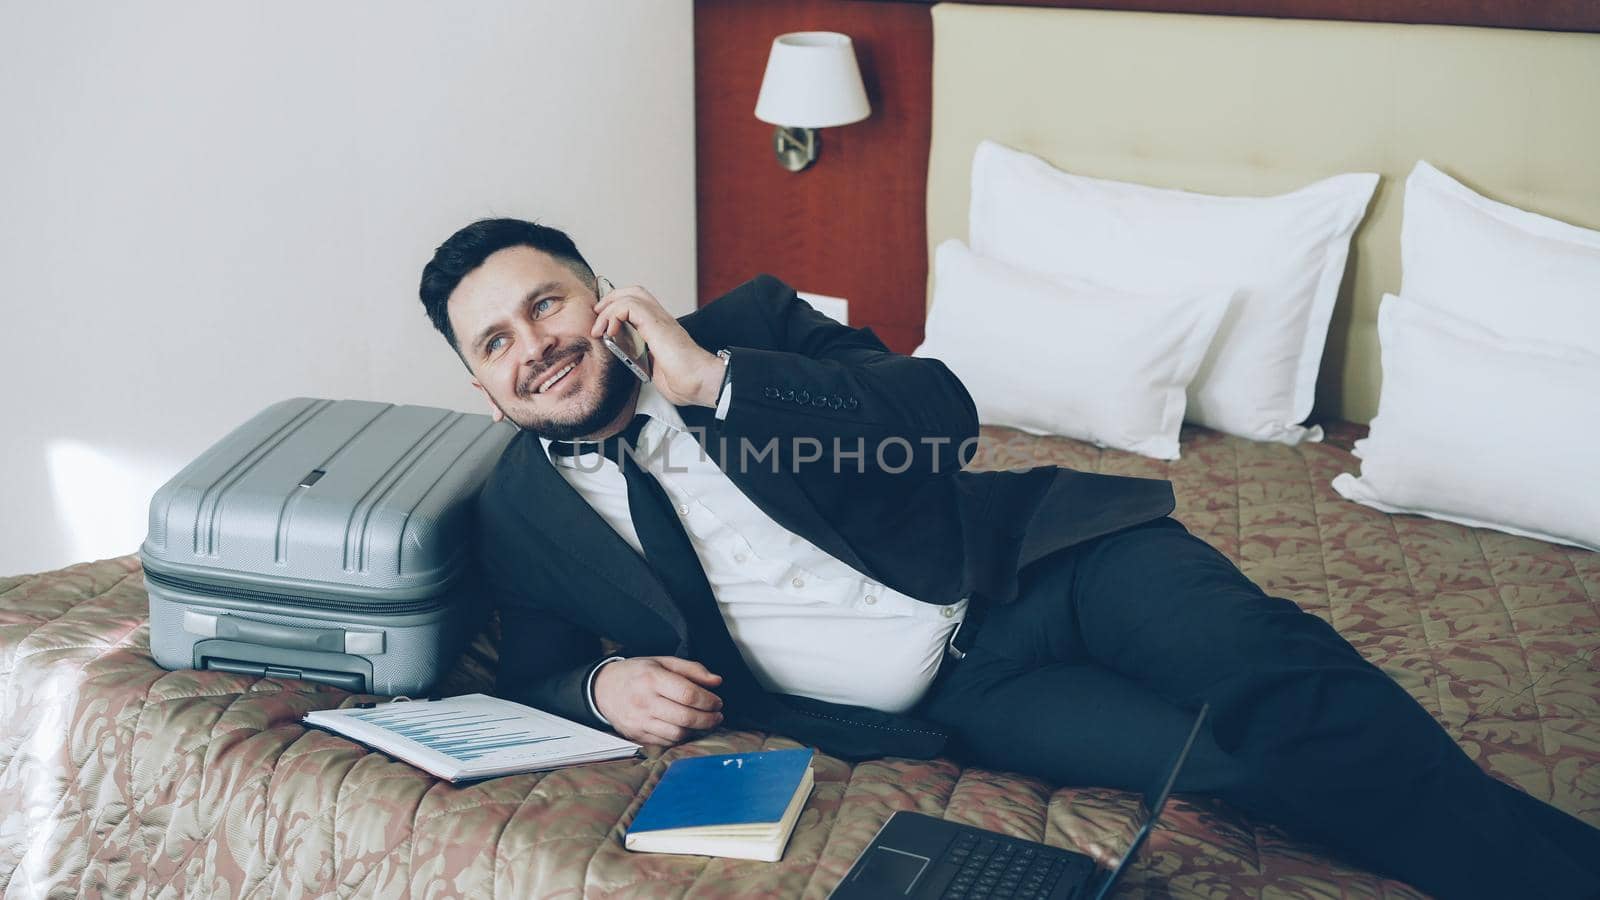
(923, 858)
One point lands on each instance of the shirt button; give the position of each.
(870, 599)
(739, 557)
(799, 582)
(947, 612)
(683, 509)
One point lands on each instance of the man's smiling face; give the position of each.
(522, 322)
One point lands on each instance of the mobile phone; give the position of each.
(631, 349)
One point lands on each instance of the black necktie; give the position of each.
(669, 552)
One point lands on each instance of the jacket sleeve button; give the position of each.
(803, 397)
(771, 393)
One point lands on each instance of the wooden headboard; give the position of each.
(1235, 105)
(1546, 15)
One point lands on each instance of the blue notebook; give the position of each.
(741, 805)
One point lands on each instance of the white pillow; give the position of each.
(1287, 254)
(1080, 361)
(1477, 428)
(1461, 250)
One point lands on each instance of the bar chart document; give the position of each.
(472, 736)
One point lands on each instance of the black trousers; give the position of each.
(1093, 676)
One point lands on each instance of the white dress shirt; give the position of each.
(805, 622)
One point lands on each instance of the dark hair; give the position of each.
(468, 248)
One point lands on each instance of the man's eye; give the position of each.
(541, 307)
(494, 344)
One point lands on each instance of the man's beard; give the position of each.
(615, 389)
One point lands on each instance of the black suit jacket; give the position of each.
(908, 518)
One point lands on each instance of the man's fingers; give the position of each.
(682, 691)
(684, 716)
(611, 302)
(634, 305)
(674, 733)
(608, 322)
(647, 734)
(631, 292)
(603, 313)
(667, 732)
(697, 698)
(690, 669)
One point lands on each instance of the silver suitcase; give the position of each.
(324, 540)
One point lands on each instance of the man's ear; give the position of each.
(494, 408)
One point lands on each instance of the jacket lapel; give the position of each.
(570, 523)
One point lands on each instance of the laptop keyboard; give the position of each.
(995, 868)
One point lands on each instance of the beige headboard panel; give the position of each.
(1232, 105)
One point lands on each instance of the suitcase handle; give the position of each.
(271, 634)
(350, 681)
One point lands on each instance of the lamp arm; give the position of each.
(796, 147)
(808, 146)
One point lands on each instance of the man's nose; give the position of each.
(538, 347)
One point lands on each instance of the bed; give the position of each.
(121, 779)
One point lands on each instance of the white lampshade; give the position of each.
(812, 82)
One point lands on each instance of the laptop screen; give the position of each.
(1151, 805)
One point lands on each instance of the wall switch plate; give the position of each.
(835, 308)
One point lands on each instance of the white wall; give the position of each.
(206, 206)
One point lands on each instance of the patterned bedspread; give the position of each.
(120, 779)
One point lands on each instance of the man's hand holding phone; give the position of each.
(683, 371)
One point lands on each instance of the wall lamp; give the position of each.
(811, 82)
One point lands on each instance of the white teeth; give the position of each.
(557, 377)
